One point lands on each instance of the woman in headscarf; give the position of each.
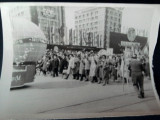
(70, 65)
(93, 65)
(106, 70)
(81, 68)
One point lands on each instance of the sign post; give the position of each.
(131, 35)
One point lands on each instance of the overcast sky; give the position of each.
(139, 18)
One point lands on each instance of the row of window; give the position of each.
(111, 24)
(95, 30)
(86, 15)
(111, 21)
(87, 19)
(91, 28)
(114, 13)
(114, 29)
(114, 24)
(88, 24)
(114, 18)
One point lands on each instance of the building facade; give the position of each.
(93, 26)
(51, 20)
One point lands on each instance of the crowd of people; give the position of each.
(95, 67)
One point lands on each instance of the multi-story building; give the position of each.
(93, 25)
(51, 19)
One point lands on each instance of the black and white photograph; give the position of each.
(80, 61)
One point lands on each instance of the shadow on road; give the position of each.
(59, 84)
(19, 88)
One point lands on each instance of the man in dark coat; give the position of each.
(137, 75)
(55, 65)
(64, 63)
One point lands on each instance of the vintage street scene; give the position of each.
(72, 60)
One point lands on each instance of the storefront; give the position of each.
(120, 42)
(72, 47)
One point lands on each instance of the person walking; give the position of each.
(76, 67)
(81, 69)
(64, 63)
(126, 70)
(137, 75)
(99, 72)
(93, 65)
(70, 65)
(87, 67)
(45, 65)
(114, 68)
(55, 65)
(106, 70)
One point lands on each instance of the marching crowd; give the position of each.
(95, 67)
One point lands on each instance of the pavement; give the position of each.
(60, 98)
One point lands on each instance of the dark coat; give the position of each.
(64, 64)
(55, 63)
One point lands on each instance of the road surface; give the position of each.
(57, 96)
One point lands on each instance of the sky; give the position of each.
(70, 12)
(139, 18)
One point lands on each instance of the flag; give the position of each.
(70, 37)
(80, 34)
(98, 40)
(92, 38)
(89, 39)
(61, 31)
(84, 37)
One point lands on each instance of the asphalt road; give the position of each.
(55, 96)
